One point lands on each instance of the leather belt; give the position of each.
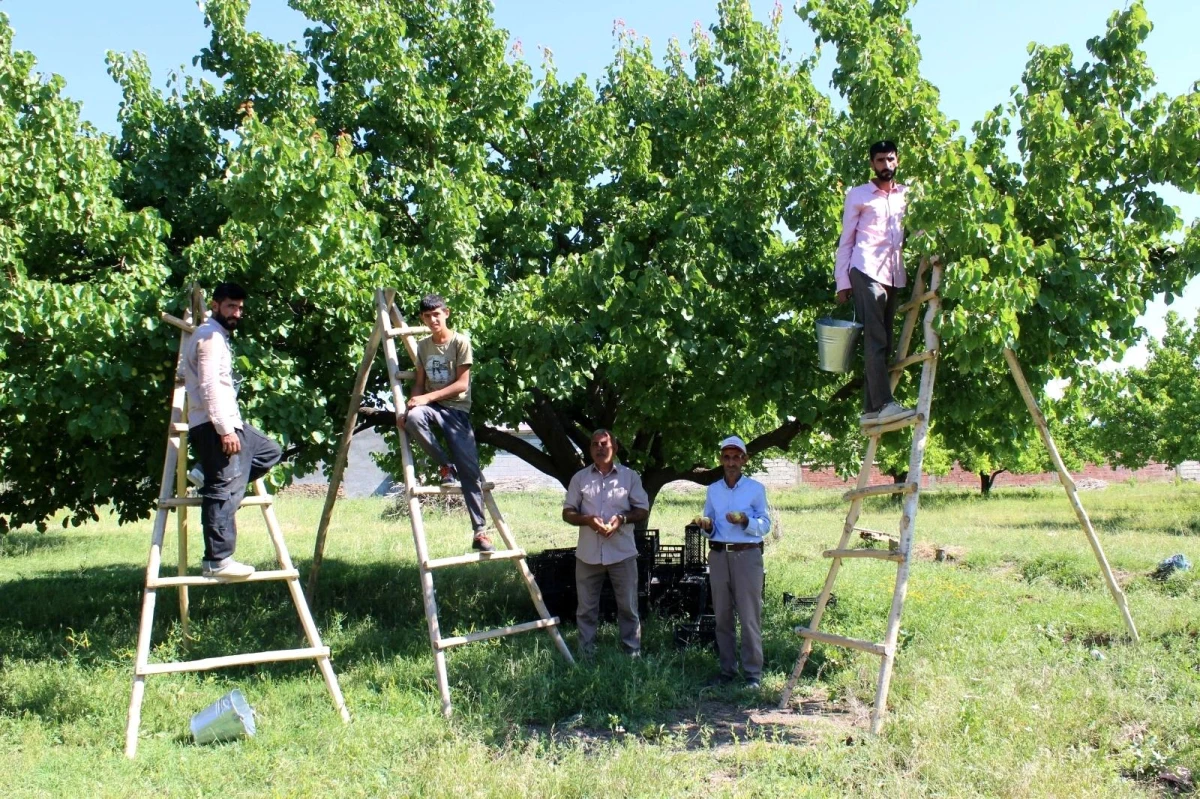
(717, 546)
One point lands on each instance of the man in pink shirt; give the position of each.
(870, 268)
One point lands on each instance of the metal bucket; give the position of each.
(227, 719)
(836, 339)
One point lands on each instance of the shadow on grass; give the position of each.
(372, 616)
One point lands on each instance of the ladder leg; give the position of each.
(864, 476)
(145, 628)
(306, 620)
(535, 593)
(916, 463)
(181, 529)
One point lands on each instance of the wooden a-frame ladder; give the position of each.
(390, 325)
(900, 552)
(172, 496)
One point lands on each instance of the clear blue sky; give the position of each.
(973, 51)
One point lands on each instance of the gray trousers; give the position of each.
(456, 427)
(736, 581)
(875, 305)
(589, 579)
(225, 480)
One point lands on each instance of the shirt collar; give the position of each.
(596, 469)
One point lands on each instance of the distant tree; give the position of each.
(1150, 413)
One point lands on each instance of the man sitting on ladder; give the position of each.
(231, 452)
(870, 268)
(442, 397)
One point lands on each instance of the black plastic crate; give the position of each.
(669, 555)
(701, 632)
(695, 546)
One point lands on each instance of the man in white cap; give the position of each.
(735, 517)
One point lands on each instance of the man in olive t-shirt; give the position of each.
(442, 397)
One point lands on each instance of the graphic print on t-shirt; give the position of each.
(437, 370)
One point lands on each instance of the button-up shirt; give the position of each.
(211, 379)
(872, 235)
(592, 493)
(746, 496)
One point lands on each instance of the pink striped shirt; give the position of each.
(872, 234)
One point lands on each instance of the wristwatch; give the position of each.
(622, 518)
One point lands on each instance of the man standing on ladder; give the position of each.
(605, 500)
(735, 517)
(231, 453)
(870, 267)
(442, 397)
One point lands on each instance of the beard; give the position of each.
(885, 174)
(227, 322)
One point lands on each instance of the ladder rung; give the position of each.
(407, 330)
(179, 427)
(896, 424)
(910, 360)
(207, 664)
(483, 635)
(876, 554)
(838, 640)
(475, 557)
(924, 298)
(257, 577)
(422, 490)
(879, 491)
(195, 502)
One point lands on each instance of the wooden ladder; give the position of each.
(910, 490)
(172, 496)
(389, 326)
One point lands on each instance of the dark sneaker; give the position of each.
(753, 683)
(449, 476)
(482, 542)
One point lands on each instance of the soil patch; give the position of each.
(716, 725)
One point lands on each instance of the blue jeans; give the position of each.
(456, 427)
(225, 481)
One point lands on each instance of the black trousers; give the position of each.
(225, 481)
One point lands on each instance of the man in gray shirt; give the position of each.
(605, 500)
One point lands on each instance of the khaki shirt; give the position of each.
(605, 495)
(441, 362)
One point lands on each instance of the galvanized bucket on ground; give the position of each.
(836, 339)
(227, 719)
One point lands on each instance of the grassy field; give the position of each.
(1014, 677)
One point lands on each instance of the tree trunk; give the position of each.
(987, 480)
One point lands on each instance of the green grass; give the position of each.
(1014, 679)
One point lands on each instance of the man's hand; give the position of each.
(231, 444)
(704, 523)
(614, 523)
(843, 296)
(600, 526)
(414, 402)
(738, 518)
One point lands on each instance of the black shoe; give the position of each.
(753, 683)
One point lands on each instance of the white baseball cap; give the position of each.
(736, 442)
